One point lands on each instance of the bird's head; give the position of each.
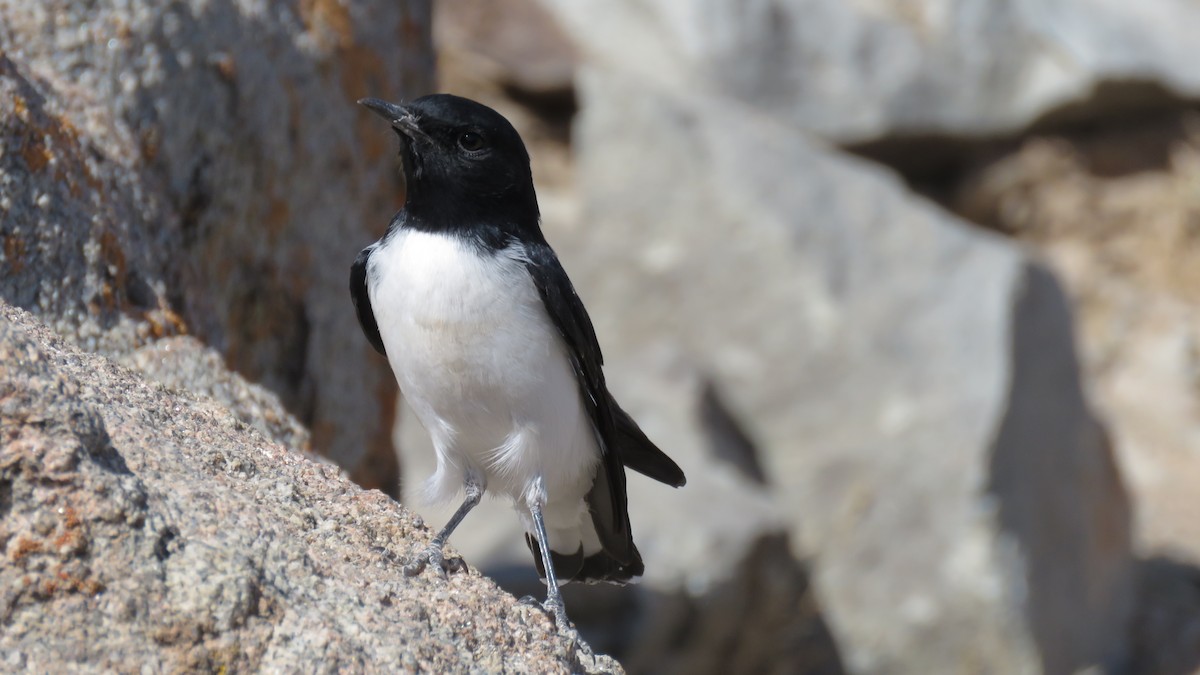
(462, 160)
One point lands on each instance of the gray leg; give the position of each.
(554, 601)
(433, 554)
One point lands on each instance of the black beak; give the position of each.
(401, 118)
(389, 111)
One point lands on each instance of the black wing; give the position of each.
(621, 442)
(362, 299)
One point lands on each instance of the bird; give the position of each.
(495, 353)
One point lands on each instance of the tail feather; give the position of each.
(565, 566)
(593, 569)
(640, 453)
(603, 568)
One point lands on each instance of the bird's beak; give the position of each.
(402, 118)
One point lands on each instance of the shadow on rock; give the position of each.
(1166, 628)
(765, 619)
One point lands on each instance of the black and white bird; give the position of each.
(495, 352)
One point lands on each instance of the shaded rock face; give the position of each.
(75, 241)
(142, 525)
(762, 618)
(202, 168)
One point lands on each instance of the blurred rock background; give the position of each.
(906, 285)
(908, 288)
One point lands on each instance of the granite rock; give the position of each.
(184, 363)
(201, 168)
(142, 525)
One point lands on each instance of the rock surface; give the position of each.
(185, 364)
(149, 526)
(202, 168)
(513, 43)
(910, 382)
(857, 71)
(1116, 211)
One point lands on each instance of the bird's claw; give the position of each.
(433, 555)
(415, 567)
(555, 608)
(386, 557)
(558, 610)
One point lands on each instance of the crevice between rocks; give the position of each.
(936, 165)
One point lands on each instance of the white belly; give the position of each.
(481, 364)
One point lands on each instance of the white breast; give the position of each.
(481, 364)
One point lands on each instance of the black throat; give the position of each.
(492, 220)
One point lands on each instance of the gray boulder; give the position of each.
(910, 383)
(201, 168)
(857, 71)
(141, 525)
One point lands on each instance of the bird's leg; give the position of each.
(554, 601)
(433, 553)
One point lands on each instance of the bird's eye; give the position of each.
(470, 141)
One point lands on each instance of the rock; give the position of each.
(1116, 212)
(761, 618)
(909, 382)
(1167, 625)
(860, 71)
(185, 364)
(202, 169)
(150, 526)
(516, 43)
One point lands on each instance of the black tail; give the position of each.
(593, 569)
(640, 453)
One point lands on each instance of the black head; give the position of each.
(464, 164)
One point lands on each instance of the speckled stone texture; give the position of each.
(186, 364)
(200, 167)
(147, 528)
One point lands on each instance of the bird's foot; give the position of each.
(555, 607)
(558, 613)
(433, 555)
(386, 557)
